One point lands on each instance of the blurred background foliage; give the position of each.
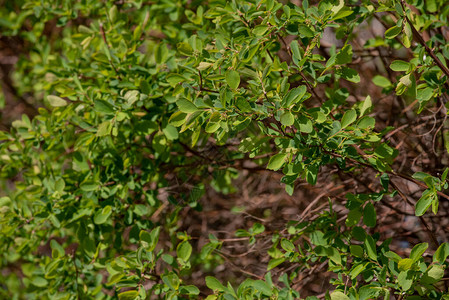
(223, 149)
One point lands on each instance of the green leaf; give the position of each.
(369, 215)
(344, 56)
(390, 33)
(171, 280)
(305, 125)
(399, 65)
(262, 287)
(368, 292)
(294, 46)
(287, 118)
(277, 161)
(442, 253)
(260, 30)
(174, 79)
(113, 12)
(433, 274)
(431, 5)
(287, 245)
(381, 81)
(405, 264)
(336, 127)
(317, 238)
(359, 233)
(337, 295)
(348, 118)
(366, 106)
(353, 217)
(214, 122)
(59, 185)
(211, 127)
(204, 65)
(312, 174)
(334, 255)
(305, 31)
(57, 250)
(418, 251)
(213, 284)
(273, 263)
(257, 228)
(294, 96)
(171, 132)
(185, 49)
(39, 281)
(5, 201)
(168, 259)
(424, 94)
(102, 215)
(318, 116)
(89, 186)
(145, 87)
(233, 79)
(343, 13)
(356, 250)
(421, 176)
(184, 250)
(406, 81)
(356, 270)
(386, 152)
(243, 105)
(131, 96)
(407, 37)
(178, 119)
(145, 238)
(444, 175)
(349, 74)
(104, 128)
(85, 29)
(393, 256)
(186, 106)
(161, 54)
(189, 290)
(287, 11)
(128, 295)
(370, 247)
(56, 101)
(424, 203)
(149, 239)
(405, 280)
(103, 107)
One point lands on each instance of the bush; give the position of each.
(139, 114)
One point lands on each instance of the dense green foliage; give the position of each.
(142, 107)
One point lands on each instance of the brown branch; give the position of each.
(267, 123)
(103, 34)
(202, 88)
(421, 218)
(194, 152)
(419, 183)
(420, 40)
(392, 172)
(386, 27)
(10, 92)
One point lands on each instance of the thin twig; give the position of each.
(103, 34)
(202, 88)
(424, 222)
